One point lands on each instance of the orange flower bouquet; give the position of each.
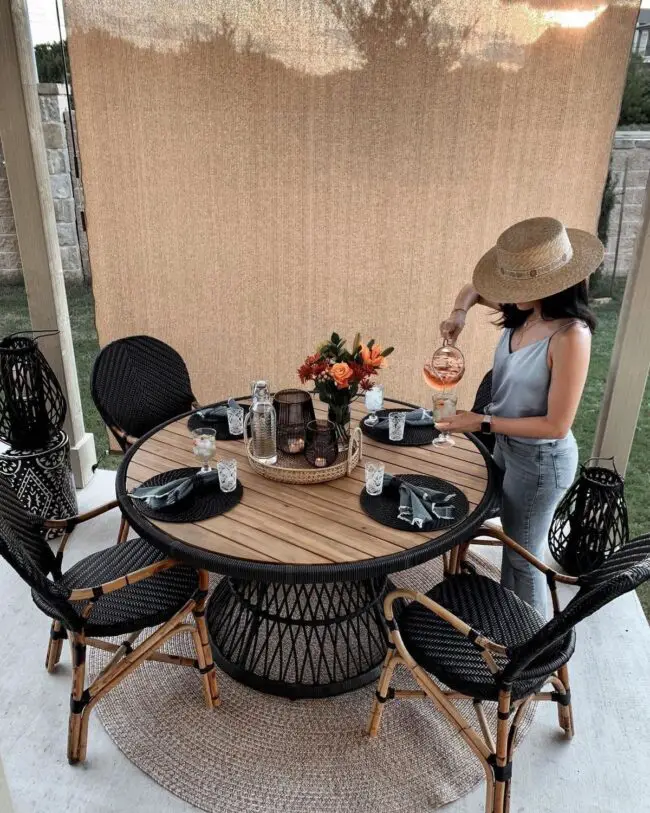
(340, 375)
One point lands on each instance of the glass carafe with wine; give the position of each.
(442, 373)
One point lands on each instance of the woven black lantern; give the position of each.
(590, 522)
(322, 445)
(295, 410)
(32, 406)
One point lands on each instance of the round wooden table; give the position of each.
(299, 612)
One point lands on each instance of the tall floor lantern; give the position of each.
(590, 522)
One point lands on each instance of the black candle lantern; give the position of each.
(590, 522)
(294, 410)
(32, 406)
(322, 445)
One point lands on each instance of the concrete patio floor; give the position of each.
(606, 768)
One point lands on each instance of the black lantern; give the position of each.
(322, 447)
(32, 406)
(590, 522)
(294, 409)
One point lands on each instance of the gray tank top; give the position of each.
(521, 380)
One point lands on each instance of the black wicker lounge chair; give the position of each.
(484, 643)
(118, 591)
(137, 383)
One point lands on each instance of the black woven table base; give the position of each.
(202, 503)
(385, 507)
(220, 424)
(413, 435)
(299, 640)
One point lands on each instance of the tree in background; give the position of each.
(49, 61)
(635, 106)
(606, 205)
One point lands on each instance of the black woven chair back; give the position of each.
(23, 546)
(624, 571)
(482, 400)
(139, 382)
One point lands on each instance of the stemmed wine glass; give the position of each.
(374, 402)
(204, 446)
(442, 373)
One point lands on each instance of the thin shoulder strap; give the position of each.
(564, 327)
(559, 330)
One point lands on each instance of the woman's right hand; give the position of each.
(451, 327)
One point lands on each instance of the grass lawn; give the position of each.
(14, 316)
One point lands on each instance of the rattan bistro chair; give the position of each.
(118, 591)
(485, 644)
(137, 383)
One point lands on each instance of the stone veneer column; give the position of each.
(53, 103)
(631, 147)
(11, 269)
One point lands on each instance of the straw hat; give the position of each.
(534, 259)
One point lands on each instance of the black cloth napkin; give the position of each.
(161, 498)
(417, 505)
(417, 417)
(218, 412)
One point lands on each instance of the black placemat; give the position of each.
(385, 507)
(202, 503)
(413, 435)
(195, 421)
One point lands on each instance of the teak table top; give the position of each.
(304, 533)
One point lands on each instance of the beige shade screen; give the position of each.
(259, 174)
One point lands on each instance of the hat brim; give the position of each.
(493, 285)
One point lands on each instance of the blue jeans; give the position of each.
(535, 478)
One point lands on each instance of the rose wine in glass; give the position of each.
(442, 373)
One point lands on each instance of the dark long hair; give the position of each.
(572, 303)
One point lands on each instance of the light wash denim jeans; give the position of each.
(535, 478)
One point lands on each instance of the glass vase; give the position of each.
(339, 415)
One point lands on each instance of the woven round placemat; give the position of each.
(384, 507)
(262, 754)
(413, 435)
(220, 424)
(202, 503)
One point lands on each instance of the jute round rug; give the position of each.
(262, 754)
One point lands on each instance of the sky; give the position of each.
(42, 16)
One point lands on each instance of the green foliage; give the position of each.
(49, 61)
(635, 106)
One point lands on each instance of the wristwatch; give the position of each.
(486, 425)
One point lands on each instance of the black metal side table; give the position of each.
(42, 478)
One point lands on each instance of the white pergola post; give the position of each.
(630, 362)
(29, 184)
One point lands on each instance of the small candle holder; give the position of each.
(294, 409)
(321, 449)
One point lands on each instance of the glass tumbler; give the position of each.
(227, 471)
(396, 424)
(235, 420)
(374, 478)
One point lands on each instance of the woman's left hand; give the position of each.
(461, 422)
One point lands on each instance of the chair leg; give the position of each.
(564, 710)
(502, 765)
(383, 691)
(202, 646)
(55, 644)
(78, 728)
(123, 533)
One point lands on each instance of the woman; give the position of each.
(539, 372)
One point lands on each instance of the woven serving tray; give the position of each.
(296, 470)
